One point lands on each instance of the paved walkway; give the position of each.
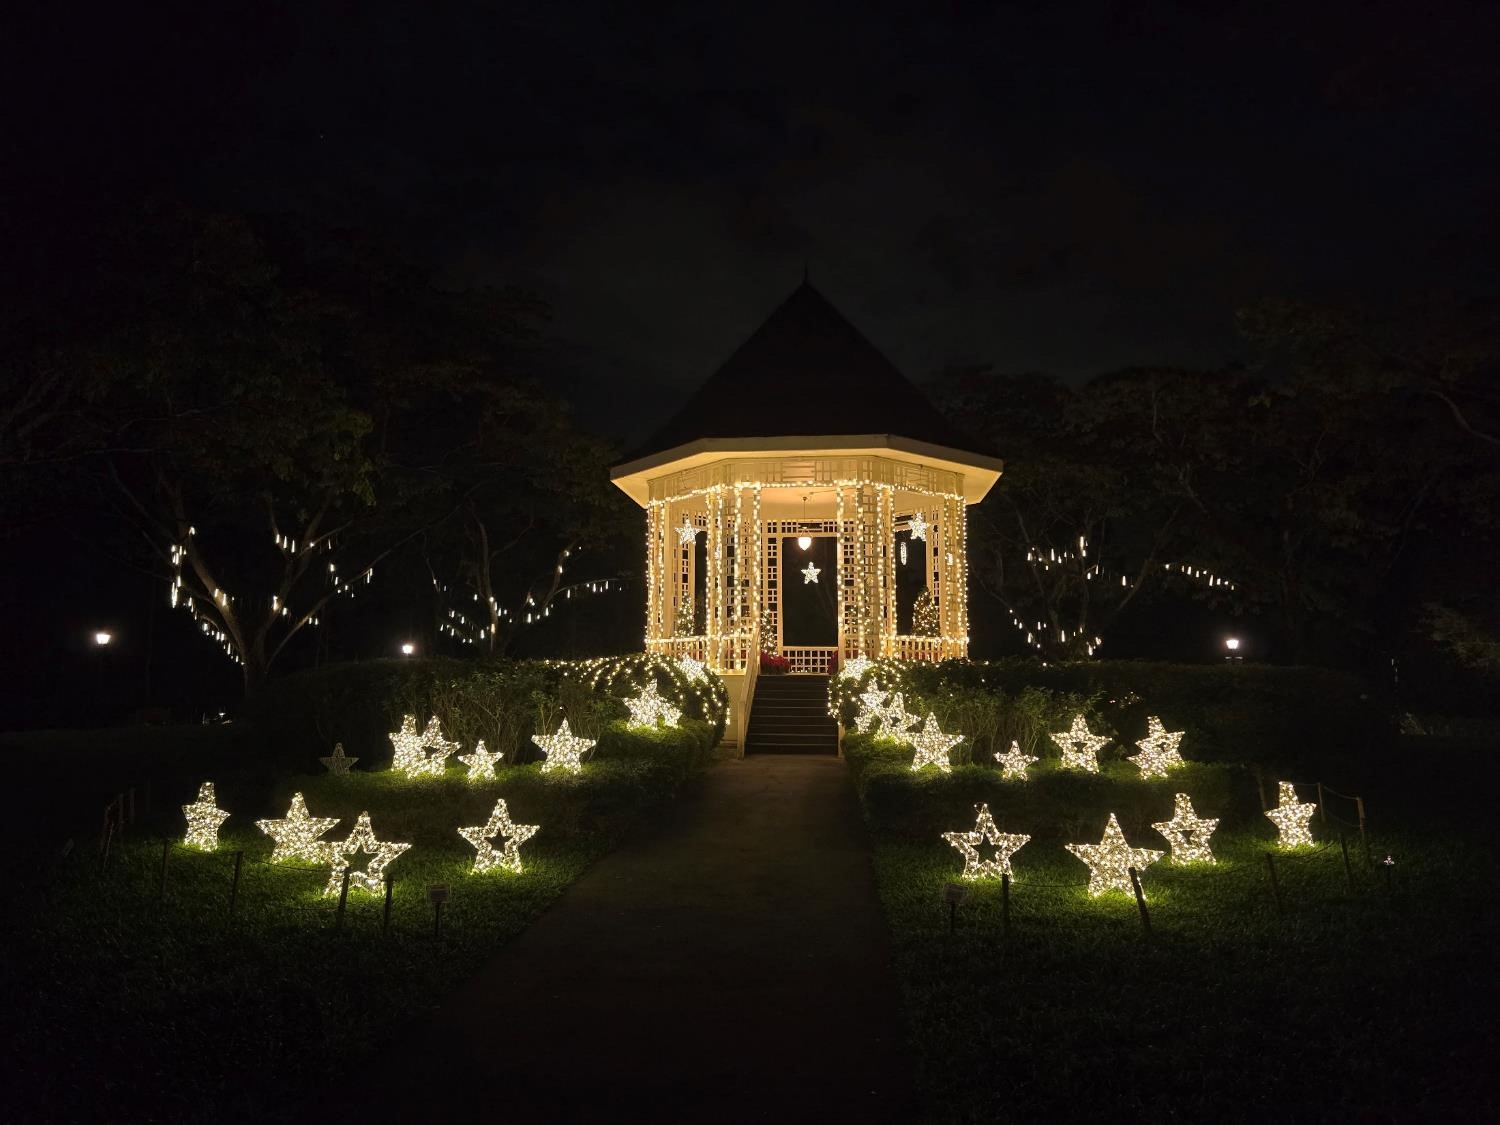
(730, 967)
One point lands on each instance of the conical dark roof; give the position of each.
(805, 372)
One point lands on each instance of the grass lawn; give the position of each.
(127, 1006)
(1354, 1006)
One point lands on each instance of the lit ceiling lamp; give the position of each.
(804, 541)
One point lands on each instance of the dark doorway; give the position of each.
(809, 610)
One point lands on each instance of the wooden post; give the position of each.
(1390, 875)
(385, 918)
(1275, 885)
(1005, 905)
(437, 918)
(1260, 785)
(338, 917)
(1348, 871)
(234, 882)
(1359, 804)
(1140, 900)
(120, 814)
(1322, 807)
(166, 853)
(109, 835)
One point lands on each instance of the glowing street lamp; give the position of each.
(102, 638)
(408, 648)
(1232, 647)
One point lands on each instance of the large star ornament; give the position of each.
(968, 844)
(932, 746)
(1158, 750)
(338, 762)
(692, 669)
(499, 827)
(1013, 763)
(872, 710)
(919, 526)
(563, 749)
(648, 709)
(686, 532)
(810, 574)
(481, 762)
(897, 721)
(411, 757)
(203, 820)
(1111, 859)
(1293, 819)
(1187, 832)
(1080, 747)
(296, 834)
(856, 668)
(362, 839)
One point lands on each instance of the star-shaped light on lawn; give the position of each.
(1111, 859)
(499, 826)
(856, 668)
(968, 843)
(896, 720)
(481, 762)
(810, 573)
(362, 839)
(296, 834)
(1293, 819)
(563, 749)
(686, 532)
(1187, 832)
(1158, 750)
(1013, 763)
(872, 710)
(411, 757)
(1080, 747)
(338, 762)
(692, 669)
(919, 526)
(648, 709)
(203, 820)
(933, 745)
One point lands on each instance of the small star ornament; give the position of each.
(1187, 832)
(694, 670)
(985, 833)
(1013, 763)
(338, 763)
(1158, 750)
(411, 758)
(856, 668)
(498, 827)
(296, 834)
(563, 749)
(1293, 819)
(933, 746)
(872, 710)
(810, 574)
(648, 709)
(919, 526)
(1080, 747)
(1111, 859)
(686, 532)
(896, 720)
(362, 839)
(203, 820)
(481, 762)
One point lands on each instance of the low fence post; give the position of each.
(1005, 905)
(1275, 885)
(166, 853)
(338, 918)
(234, 882)
(1322, 807)
(385, 917)
(1140, 900)
(1359, 805)
(1348, 871)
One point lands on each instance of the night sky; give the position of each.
(1071, 191)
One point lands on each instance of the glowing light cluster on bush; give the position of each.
(1158, 750)
(362, 840)
(933, 746)
(1111, 859)
(1013, 763)
(563, 749)
(648, 709)
(856, 668)
(411, 749)
(203, 820)
(481, 762)
(338, 763)
(1080, 747)
(498, 827)
(1187, 832)
(695, 670)
(296, 835)
(985, 833)
(1293, 819)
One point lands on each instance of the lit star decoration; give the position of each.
(686, 532)
(810, 574)
(932, 746)
(338, 762)
(1080, 748)
(896, 720)
(481, 762)
(500, 826)
(856, 668)
(648, 709)
(1187, 832)
(411, 757)
(362, 839)
(1293, 819)
(1158, 750)
(872, 711)
(1013, 763)
(203, 820)
(692, 669)
(919, 526)
(1111, 859)
(563, 749)
(296, 834)
(968, 843)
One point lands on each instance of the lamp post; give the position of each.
(103, 638)
(407, 648)
(1232, 648)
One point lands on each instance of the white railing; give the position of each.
(815, 661)
(918, 648)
